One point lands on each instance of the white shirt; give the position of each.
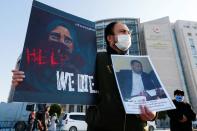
(137, 86)
(53, 124)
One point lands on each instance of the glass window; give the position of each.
(195, 60)
(99, 33)
(195, 27)
(189, 34)
(71, 108)
(79, 108)
(78, 117)
(186, 26)
(191, 41)
(192, 46)
(194, 51)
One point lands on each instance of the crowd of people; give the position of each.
(42, 121)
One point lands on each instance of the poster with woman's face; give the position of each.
(58, 58)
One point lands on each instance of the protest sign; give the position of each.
(139, 84)
(58, 59)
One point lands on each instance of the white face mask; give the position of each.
(124, 42)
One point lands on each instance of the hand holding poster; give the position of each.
(139, 84)
(58, 58)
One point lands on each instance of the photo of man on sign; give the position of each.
(139, 84)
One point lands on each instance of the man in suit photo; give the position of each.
(134, 82)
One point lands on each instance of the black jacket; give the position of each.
(125, 78)
(109, 114)
(182, 108)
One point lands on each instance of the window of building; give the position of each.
(194, 51)
(191, 41)
(195, 60)
(71, 108)
(100, 41)
(79, 108)
(189, 34)
(186, 26)
(192, 46)
(99, 33)
(195, 27)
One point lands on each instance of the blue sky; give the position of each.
(14, 16)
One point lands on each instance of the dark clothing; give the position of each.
(154, 79)
(31, 121)
(182, 108)
(109, 114)
(125, 79)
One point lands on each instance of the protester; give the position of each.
(31, 121)
(46, 118)
(109, 114)
(181, 118)
(54, 122)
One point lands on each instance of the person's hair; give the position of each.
(135, 61)
(179, 92)
(109, 30)
(55, 23)
(46, 108)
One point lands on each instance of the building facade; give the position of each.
(160, 45)
(186, 34)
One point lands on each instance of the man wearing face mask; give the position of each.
(109, 114)
(181, 118)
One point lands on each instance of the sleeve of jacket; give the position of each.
(93, 113)
(175, 114)
(123, 83)
(190, 114)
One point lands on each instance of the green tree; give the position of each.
(55, 108)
